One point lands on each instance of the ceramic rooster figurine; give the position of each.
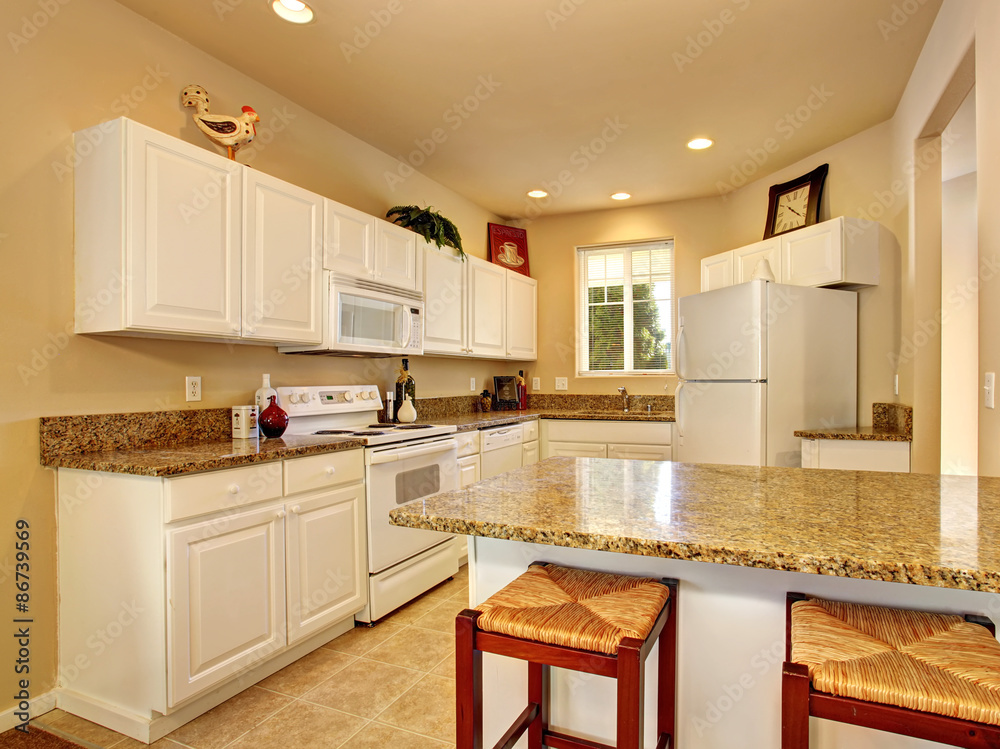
(231, 132)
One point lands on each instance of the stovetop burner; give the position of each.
(335, 431)
(382, 426)
(369, 432)
(414, 426)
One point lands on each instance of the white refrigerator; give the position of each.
(757, 361)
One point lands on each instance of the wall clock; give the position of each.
(794, 204)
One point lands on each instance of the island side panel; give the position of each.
(730, 642)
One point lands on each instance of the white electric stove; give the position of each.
(403, 462)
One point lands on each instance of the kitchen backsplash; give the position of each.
(892, 417)
(582, 402)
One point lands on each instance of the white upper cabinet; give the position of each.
(487, 308)
(445, 302)
(746, 259)
(841, 252)
(363, 246)
(158, 235)
(282, 270)
(522, 314)
(172, 239)
(349, 246)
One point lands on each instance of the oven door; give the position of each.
(397, 475)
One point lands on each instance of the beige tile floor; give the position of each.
(391, 685)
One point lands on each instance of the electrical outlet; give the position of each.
(192, 388)
(990, 389)
(536, 383)
(895, 385)
(562, 383)
(472, 384)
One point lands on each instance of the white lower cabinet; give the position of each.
(529, 453)
(856, 455)
(210, 576)
(622, 440)
(469, 470)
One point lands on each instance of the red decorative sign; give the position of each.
(509, 247)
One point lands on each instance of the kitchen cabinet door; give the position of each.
(349, 240)
(717, 271)
(745, 259)
(446, 297)
(529, 453)
(522, 316)
(577, 450)
(639, 452)
(813, 255)
(469, 470)
(183, 219)
(282, 263)
(396, 256)
(226, 585)
(487, 308)
(325, 559)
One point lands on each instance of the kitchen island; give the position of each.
(738, 538)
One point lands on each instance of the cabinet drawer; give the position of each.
(321, 471)
(639, 452)
(188, 496)
(468, 443)
(530, 431)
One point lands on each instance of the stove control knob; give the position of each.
(348, 396)
(293, 398)
(364, 395)
(303, 397)
(374, 395)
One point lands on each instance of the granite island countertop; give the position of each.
(908, 528)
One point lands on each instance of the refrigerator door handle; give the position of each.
(677, 359)
(678, 412)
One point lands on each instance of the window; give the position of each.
(626, 308)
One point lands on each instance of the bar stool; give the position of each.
(595, 622)
(930, 676)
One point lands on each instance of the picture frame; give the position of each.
(794, 204)
(505, 393)
(509, 247)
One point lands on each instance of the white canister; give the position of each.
(244, 422)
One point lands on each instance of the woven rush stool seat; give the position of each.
(931, 676)
(583, 620)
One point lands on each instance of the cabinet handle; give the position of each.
(237, 329)
(279, 514)
(234, 488)
(330, 470)
(295, 510)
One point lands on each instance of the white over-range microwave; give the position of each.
(364, 318)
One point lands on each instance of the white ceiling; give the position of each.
(395, 72)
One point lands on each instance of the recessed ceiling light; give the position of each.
(621, 196)
(537, 194)
(699, 144)
(293, 10)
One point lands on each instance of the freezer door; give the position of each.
(721, 422)
(722, 334)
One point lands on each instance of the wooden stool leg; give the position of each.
(794, 706)
(537, 696)
(666, 674)
(469, 683)
(630, 689)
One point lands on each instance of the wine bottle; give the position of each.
(522, 391)
(405, 386)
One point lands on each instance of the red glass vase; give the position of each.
(274, 420)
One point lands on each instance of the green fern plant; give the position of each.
(429, 224)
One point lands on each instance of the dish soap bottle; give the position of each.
(405, 386)
(407, 413)
(264, 392)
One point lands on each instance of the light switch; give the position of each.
(536, 383)
(472, 384)
(562, 383)
(990, 388)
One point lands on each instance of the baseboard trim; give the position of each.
(36, 706)
(150, 729)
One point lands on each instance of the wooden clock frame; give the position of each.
(815, 180)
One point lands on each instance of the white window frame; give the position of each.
(582, 304)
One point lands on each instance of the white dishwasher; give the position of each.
(501, 449)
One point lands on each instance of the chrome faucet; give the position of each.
(624, 393)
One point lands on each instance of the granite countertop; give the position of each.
(191, 457)
(908, 528)
(474, 421)
(870, 434)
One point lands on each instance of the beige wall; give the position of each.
(85, 66)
